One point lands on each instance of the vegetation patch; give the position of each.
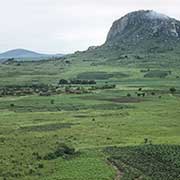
(120, 75)
(125, 100)
(149, 162)
(76, 81)
(47, 127)
(100, 75)
(94, 75)
(62, 150)
(82, 116)
(110, 106)
(157, 74)
(115, 99)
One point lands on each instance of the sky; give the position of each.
(65, 26)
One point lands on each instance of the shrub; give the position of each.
(52, 101)
(156, 74)
(61, 151)
(128, 95)
(67, 89)
(40, 166)
(172, 90)
(12, 105)
(63, 81)
(146, 140)
(78, 81)
(36, 155)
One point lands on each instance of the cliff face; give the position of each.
(143, 25)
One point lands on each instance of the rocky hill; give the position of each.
(140, 38)
(140, 26)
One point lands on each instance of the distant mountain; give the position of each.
(23, 53)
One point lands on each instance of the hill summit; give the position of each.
(19, 53)
(26, 54)
(144, 25)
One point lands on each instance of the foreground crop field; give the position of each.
(80, 136)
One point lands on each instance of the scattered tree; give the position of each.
(128, 95)
(63, 81)
(52, 101)
(172, 90)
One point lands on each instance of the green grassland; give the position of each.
(104, 126)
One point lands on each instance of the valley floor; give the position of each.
(78, 136)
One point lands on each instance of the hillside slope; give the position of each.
(139, 38)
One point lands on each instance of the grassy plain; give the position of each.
(33, 126)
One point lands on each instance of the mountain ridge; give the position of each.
(24, 53)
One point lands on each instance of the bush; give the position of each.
(172, 90)
(78, 81)
(52, 101)
(63, 81)
(156, 74)
(40, 166)
(128, 95)
(61, 151)
(12, 105)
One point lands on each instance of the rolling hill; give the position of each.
(26, 54)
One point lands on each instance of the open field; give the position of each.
(139, 111)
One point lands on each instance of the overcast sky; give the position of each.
(64, 26)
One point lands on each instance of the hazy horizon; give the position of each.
(68, 25)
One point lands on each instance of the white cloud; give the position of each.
(67, 25)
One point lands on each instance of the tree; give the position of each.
(67, 89)
(12, 105)
(128, 95)
(63, 81)
(172, 90)
(52, 101)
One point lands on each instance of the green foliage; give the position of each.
(46, 127)
(63, 81)
(156, 74)
(128, 95)
(172, 90)
(61, 151)
(52, 101)
(100, 75)
(149, 162)
(94, 75)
